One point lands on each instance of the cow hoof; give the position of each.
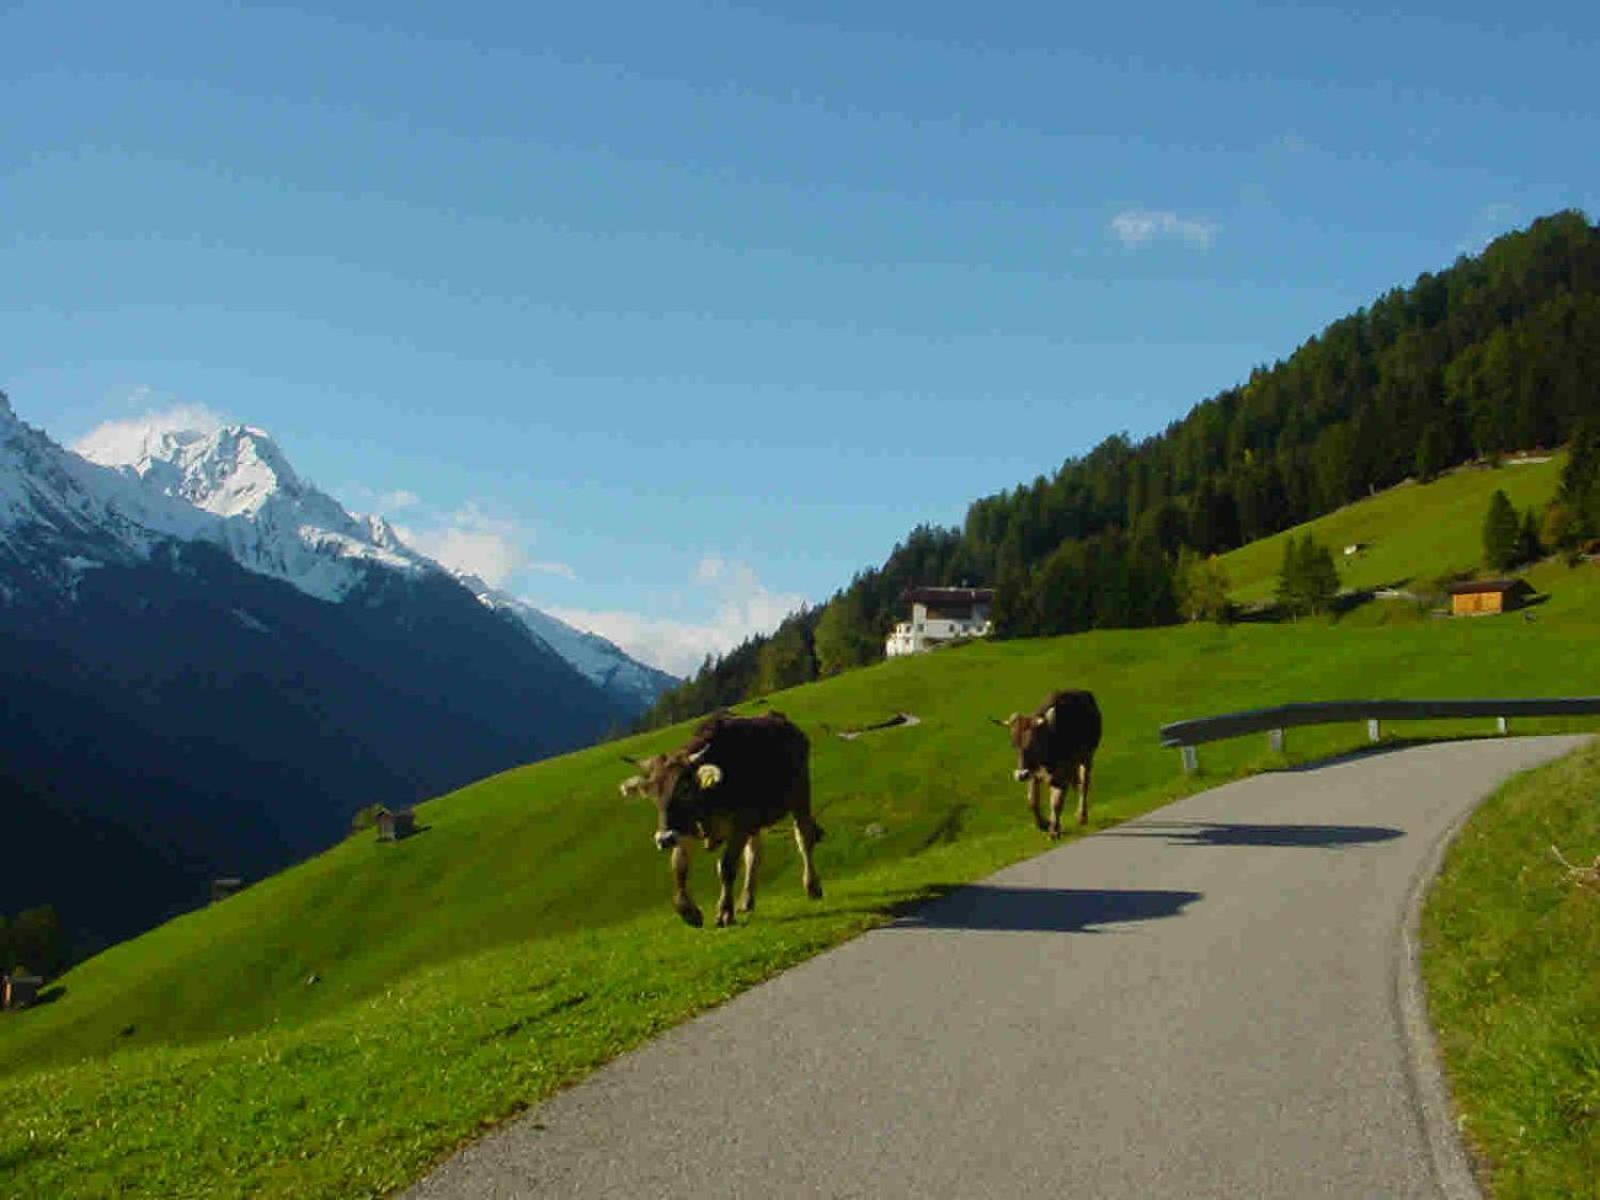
(691, 916)
(747, 906)
(814, 890)
(724, 920)
(1055, 834)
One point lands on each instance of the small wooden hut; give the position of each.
(395, 825)
(19, 991)
(1481, 596)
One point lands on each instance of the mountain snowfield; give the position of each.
(599, 660)
(234, 486)
(60, 514)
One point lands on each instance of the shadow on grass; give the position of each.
(1209, 833)
(1042, 910)
(32, 1152)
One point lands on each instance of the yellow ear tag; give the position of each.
(708, 776)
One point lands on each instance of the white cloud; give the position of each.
(397, 500)
(554, 568)
(471, 540)
(743, 606)
(115, 443)
(1138, 227)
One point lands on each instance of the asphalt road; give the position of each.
(1215, 1000)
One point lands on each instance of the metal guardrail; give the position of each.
(1187, 735)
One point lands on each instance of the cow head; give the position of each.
(676, 782)
(1030, 736)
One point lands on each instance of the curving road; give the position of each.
(1214, 1000)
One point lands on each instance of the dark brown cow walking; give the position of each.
(733, 778)
(1056, 744)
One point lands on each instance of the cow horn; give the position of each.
(708, 775)
(1050, 716)
(699, 754)
(999, 722)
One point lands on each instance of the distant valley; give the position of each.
(207, 664)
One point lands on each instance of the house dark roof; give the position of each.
(947, 595)
(1478, 586)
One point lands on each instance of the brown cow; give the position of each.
(1056, 744)
(733, 778)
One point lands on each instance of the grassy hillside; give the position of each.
(1414, 533)
(1510, 943)
(525, 936)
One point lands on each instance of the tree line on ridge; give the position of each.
(1497, 353)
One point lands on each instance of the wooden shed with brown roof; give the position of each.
(396, 824)
(19, 991)
(1479, 596)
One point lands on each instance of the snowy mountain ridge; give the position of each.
(601, 661)
(271, 521)
(126, 488)
(58, 509)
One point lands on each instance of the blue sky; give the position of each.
(670, 317)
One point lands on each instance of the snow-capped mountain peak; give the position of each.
(272, 521)
(130, 485)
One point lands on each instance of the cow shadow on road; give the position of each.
(1043, 910)
(1212, 833)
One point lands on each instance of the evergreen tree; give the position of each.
(1580, 478)
(37, 941)
(1563, 532)
(1287, 592)
(844, 639)
(785, 660)
(1529, 549)
(1500, 533)
(1433, 453)
(1012, 610)
(1318, 576)
(1308, 580)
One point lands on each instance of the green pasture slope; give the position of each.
(524, 936)
(1414, 533)
(1509, 947)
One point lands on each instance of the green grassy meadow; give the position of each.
(1510, 947)
(1414, 533)
(524, 937)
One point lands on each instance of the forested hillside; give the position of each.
(1499, 352)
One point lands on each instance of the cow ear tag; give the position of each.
(708, 776)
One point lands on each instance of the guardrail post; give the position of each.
(1502, 725)
(1275, 740)
(1191, 759)
(1374, 731)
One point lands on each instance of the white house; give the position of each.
(940, 615)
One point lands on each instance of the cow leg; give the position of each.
(752, 864)
(1057, 798)
(727, 871)
(807, 835)
(1033, 802)
(1083, 792)
(680, 881)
